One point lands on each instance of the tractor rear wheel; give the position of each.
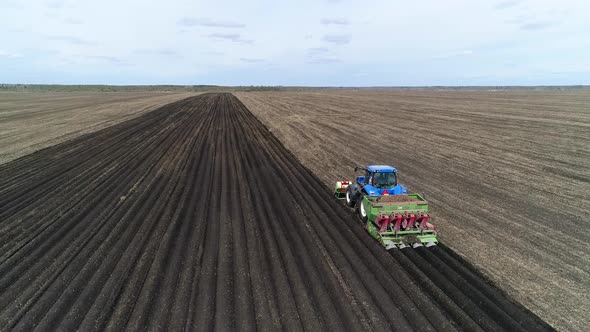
(361, 209)
(349, 197)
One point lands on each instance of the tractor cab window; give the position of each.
(384, 180)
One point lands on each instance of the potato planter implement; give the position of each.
(391, 215)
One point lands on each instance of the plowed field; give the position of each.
(193, 216)
(32, 121)
(507, 174)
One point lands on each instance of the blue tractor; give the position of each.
(391, 215)
(377, 180)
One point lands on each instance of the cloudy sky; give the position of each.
(299, 42)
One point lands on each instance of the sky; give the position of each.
(296, 43)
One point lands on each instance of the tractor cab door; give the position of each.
(367, 182)
(360, 180)
(368, 177)
(364, 180)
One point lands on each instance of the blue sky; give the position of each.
(307, 43)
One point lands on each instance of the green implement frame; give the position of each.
(398, 220)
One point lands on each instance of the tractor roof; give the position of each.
(381, 168)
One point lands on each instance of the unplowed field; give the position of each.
(507, 173)
(193, 216)
(32, 121)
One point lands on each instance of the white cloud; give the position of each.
(337, 39)
(452, 54)
(234, 37)
(7, 54)
(507, 4)
(205, 22)
(335, 21)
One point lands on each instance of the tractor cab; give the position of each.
(379, 180)
(376, 180)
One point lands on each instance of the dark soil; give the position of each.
(397, 199)
(193, 216)
(505, 173)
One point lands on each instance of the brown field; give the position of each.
(507, 173)
(194, 217)
(32, 121)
